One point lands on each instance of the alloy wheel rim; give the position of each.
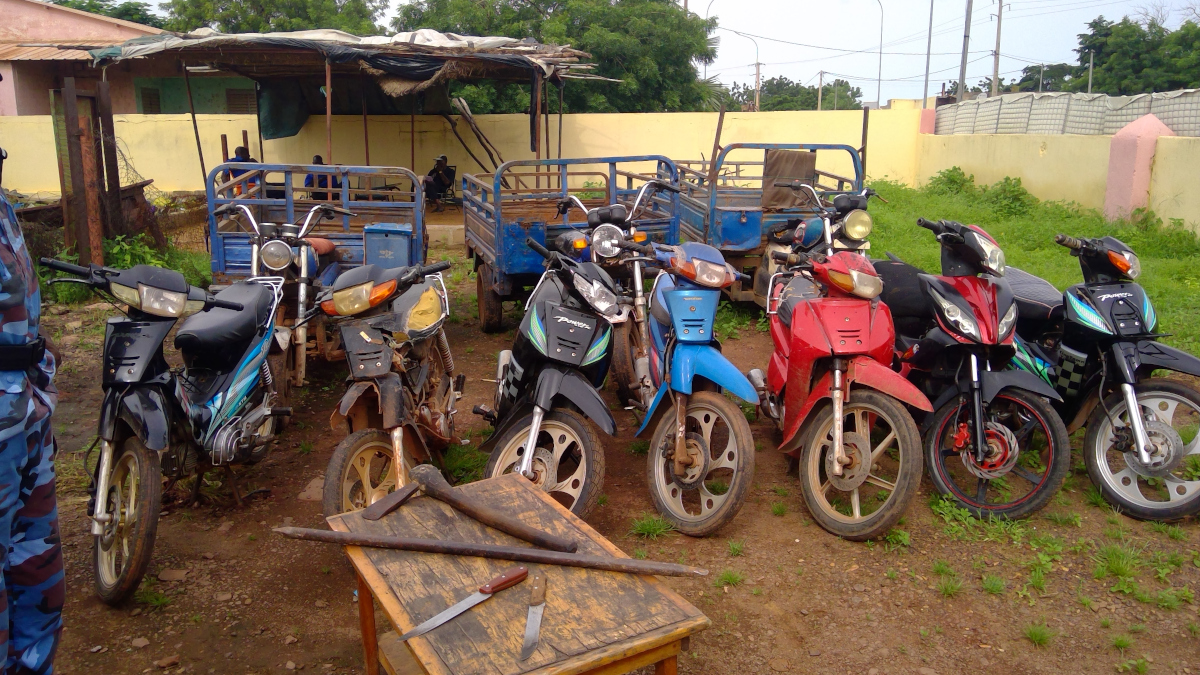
(558, 441)
(1182, 484)
(710, 493)
(368, 476)
(121, 506)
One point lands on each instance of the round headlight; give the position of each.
(857, 225)
(605, 240)
(275, 255)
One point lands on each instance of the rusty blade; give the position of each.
(391, 502)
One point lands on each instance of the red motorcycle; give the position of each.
(831, 389)
(995, 443)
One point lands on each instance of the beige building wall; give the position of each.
(1175, 180)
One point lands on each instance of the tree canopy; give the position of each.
(780, 93)
(137, 12)
(251, 16)
(650, 46)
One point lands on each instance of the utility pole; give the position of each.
(962, 69)
(757, 83)
(928, 53)
(1091, 64)
(821, 88)
(879, 76)
(996, 54)
(1041, 76)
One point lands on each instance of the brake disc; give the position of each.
(545, 468)
(854, 474)
(1166, 451)
(697, 450)
(1001, 457)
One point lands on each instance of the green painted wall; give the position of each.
(208, 93)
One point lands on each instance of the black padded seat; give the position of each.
(219, 330)
(799, 289)
(902, 291)
(1037, 299)
(658, 304)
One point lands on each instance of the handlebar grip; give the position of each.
(783, 183)
(435, 268)
(929, 225)
(222, 210)
(538, 248)
(64, 267)
(779, 256)
(225, 304)
(1069, 242)
(338, 209)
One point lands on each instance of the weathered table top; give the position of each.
(591, 618)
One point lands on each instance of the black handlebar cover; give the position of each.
(64, 267)
(225, 304)
(538, 248)
(1069, 242)
(435, 268)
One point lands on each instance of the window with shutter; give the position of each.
(240, 102)
(151, 101)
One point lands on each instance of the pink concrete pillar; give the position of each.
(928, 121)
(1130, 159)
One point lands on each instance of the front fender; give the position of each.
(144, 409)
(868, 372)
(570, 384)
(992, 382)
(689, 361)
(1158, 355)
(389, 402)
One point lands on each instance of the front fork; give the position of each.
(301, 312)
(977, 408)
(837, 393)
(642, 363)
(398, 456)
(682, 461)
(100, 515)
(1136, 422)
(525, 468)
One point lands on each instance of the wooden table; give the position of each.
(595, 622)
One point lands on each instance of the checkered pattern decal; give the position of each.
(1070, 371)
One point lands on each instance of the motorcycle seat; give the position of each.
(222, 330)
(658, 304)
(902, 290)
(798, 290)
(321, 246)
(1036, 298)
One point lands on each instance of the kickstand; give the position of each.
(233, 484)
(194, 498)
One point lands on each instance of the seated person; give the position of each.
(437, 181)
(321, 181)
(241, 154)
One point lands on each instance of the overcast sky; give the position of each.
(1034, 31)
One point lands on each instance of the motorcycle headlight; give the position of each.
(599, 297)
(161, 303)
(605, 240)
(275, 255)
(351, 301)
(956, 317)
(127, 295)
(858, 283)
(993, 256)
(857, 225)
(1009, 321)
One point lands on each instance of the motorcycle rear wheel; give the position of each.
(1168, 497)
(894, 442)
(569, 443)
(121, 555)
(360, 472)
(489, 303)
(627, 348)
(1042, 464)
(712, 500)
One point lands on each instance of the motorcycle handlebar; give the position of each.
(61, 266)
(936, 228)
(435, 268)
(646, 249)
(1069, 242)
(538, 248)
(225, 304)
(338, 210)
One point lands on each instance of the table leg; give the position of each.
(366, 623)
(668, 666)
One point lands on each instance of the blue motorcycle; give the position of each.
(701, 458)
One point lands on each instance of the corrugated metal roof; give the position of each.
(41, 51)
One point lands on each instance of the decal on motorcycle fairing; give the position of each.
(1087, 315)
(1148, 315)
(599, 348)
(1026, 361)
(537, 332)
(1071, 367)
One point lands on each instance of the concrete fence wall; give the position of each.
(1056, 167)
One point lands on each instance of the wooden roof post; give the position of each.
(328, 112)
(366, 137)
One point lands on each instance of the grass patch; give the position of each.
(651, 527)
(949, 586)
(464, 463)
(992, 584)
(601, 500)
(1139, 666)
(1093, 497)
(306, 447)
(729, 578)
(778, 508)
(1064, 519)
(1122, 642)
(1173, 532)
(1137, 628)
(1039, 634)
(639, 448)
(639, 553)
(896, 540)
(736, 548)
(943, 569)
(1117, 560)
(148, 594)
(717, 487)
(780, 491)
(1106, 623)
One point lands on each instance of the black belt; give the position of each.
(22, 357)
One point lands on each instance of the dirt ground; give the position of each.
(251, 601)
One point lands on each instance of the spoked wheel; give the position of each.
(360, 472)
(1028, 455)
(884, 448)
(568, 461)
(133, 503)
(721, 451)
(1169, 487)
(627, 349)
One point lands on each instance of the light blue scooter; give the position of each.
(701, 458)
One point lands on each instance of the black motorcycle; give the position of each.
(546, 385)
(219, 409)
(1097, 345)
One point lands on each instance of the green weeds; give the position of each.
(729, 578)
(651, 527)
(1039, 634)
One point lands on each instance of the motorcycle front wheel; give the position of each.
(568, 460)
(1170, 488)
(875, 488)
(360, 471)
(1021, 427)
(133, 503)
(714, 488)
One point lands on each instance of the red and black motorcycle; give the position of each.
(831, 390)
(994, 444)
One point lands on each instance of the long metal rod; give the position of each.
(187, 83)
(366, 136)
(328, 113)
(514, 553)
(928, 54)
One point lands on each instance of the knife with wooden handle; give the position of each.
(533, 620)
(507, 579)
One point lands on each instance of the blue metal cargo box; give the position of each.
(387, 244)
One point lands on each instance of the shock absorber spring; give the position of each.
(443, 347)
(267, 378)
